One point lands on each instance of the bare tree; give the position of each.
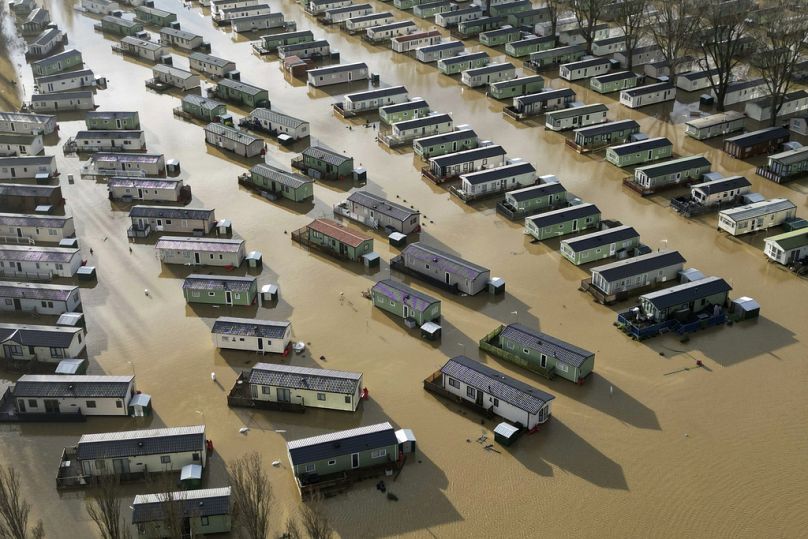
(672, 27)
(103, 504)
(782, 39)
(292, 530)
(314, 519)
(587, 14)
(722, 32)
(252, 495)
(14, 509)
(555, 8)
(172, 513)
(630, 17)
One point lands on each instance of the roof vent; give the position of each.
(140, 444)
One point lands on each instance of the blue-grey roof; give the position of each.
(382, 205)
(447, 262)
(371, 16)
(493, 174)
(376, 94)
(572, 112)
(619, 75)
(531, 41)
(249, 327)
(398, 291)
(600, 238)
(685, 293)
(283, 177)
(465, 156)
(324, 154)
(519, 81)
(72, 386)
(696, 75)
(342, 442)
(194, 503)
(490, 68)
(202, 102)
(36, 291)
(722, 185)
(423, 121)
(242, 87)
(607, 127)
(407, 105)
(610, 40)
(34, 335)
(546, 344)
(218, 282)
(314, 44)
(35, 219)
(460, 58)
(496, 384)
(338, 68)
(442, 46)
(756, 137)
(135, 443)
(24, 189)
(639, 265)
(739, 85)
(329, 381)
(641, 146)
(675, 165)
(171, 212)
(582, 64)
(545, 95)
(563, 215)
(460, 134)
(648, 88)
(537, 191)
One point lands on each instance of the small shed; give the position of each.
(71, 320)
(191, 476)
(506, 434)
(269, 293)
(86, 273)
(254, 259)
(406, 441)
(72, 366)
(431, 331)
(744, 308)
(140, 405)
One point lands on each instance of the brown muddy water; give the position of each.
(718, 451)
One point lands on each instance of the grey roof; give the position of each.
(38, 16)
(638, 265)
(195, 503)
(610, 40)
(65, 75)
(328, 381)
(78, 386)
(696, 75)
(19, 138)
(38, 291)
(277, 117)
(110, 114)
(582, 64)
(600, 238)
(290, 179)
(32, 335)
(35, 253)
(545, 95)
(447, 262)
(58, 96)
(398, 291)
(756, 137)
(338, 68)
(460, 134)
(324, 154)
(348, 8)
(496, 384)
(766, 101)
(172, 71)
(576, 111)
(57, 57)
(202, 102)
(119, 21)
(618, 75)
(26, 117)
(423, 121)
(143, 183)
(215, 245)
(490, 68)
(249, 327)
(294, 47)
(463, 57)
(715, 119)
(143, 43)
(442, 46)
(382, 205)
(231, 133)
(391, 26)
(210, 59)
(376, 94)
(342, 442)
(674, 165)
(171, 212)
(112, 134)
(135, 443)
(25, 190)
(685, 293)
(242, 87)
(407, 105)
(465, 156)
(532, 40)
(607, 127)
(179, 33)
(235, 283)
(493, 174)
(464, 11)
(371, 16)
(536, 191)
(546, 344)
(563, 215)
(25, 219)
(757, 209)
(516, 82)
(739, 85)
(722, 185)
(46, 35)
(648, 88)
(788, 157)
(641, 146)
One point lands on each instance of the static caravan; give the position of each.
(798, 125)
(200, 512)
(489, 74)
(409, 110)
(317, 48)
(21, 8)
(760, 142)
(242, 93)
(407, 130)
(648, 95)
(430, 9)
(761, 109)
(715, 125)
(45, 344)
(573, 35)
(378, 212)
(637, 153)
(276, 123)
(571, 118)
(212, 66)
(693, 297)
(36, 21)
(71, 80)
(27, 123)
(64, 61)
(471, 28)
(434, 265)
(338, 74)
(176, 77)
(19, 197)
(415, 41)
(217, 7)
(462, 62)
(696, 81)
(145, 189)
(743, 90)
(319, 162)
(100, 7)
(640, 272)
(20, 144)
(336, 239)
(27, 168)
(405, 4)
(109, 141)
(609, 46)
(614, 82)
(77, 394)
(149, 164)
(509, 6)
(342, 14)
(108, 120)
(529, 45)
(270, 43)
(639, 56)
(172, 219)
(455, 141)
(40, 228)
(192, 251)
(670, 173)
(450, 19)
(584, 69)
(529, 18)
(202, 108)
(39, 261)
(141, 48)
(515, 87)
(220, 289)
(47, 299)
(433, 53)
(555, 56)
(273, 180)
(226, 16)
(718, 192)
(445, 167)
(180, 39)
(251, 334)
(63, 101)
(400, 300)
(120, 26)
(548, 100)
(363, 22)
(543, 353)
(319, 7)
(234, 140)
(787, 248)
(563, 221)
(44, 43)
(314, 388)
(373, 99)
(384, 32)
(607, 133)
(608, 243)
(533, 199)
(756, 216)
(265, 21)
(784, 166)
(491, 181)
(500, 36)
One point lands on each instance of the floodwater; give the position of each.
(716, 451)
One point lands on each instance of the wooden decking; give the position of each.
(334, 484)
(241, 397)
(433, 384)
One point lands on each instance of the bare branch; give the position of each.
(14, 509)
(630, 17)
(672, 26)
(103, 504)
(587, 13)
(252, 495)
(314, 519)
(722, 33)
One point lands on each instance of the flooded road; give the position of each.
(718, 451)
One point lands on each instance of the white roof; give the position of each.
(137, 434)
(339, 435)
(184, 495)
